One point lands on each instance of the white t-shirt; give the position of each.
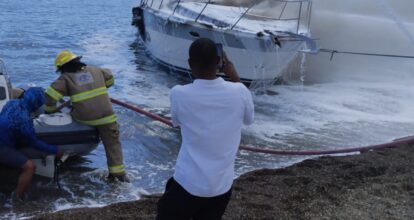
(210, 114)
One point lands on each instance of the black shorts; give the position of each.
(177, 203)
(11, 157)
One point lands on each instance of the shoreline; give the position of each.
(373, 185)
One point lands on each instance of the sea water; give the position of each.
(347, 102)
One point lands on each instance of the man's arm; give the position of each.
(230, 70)
(54, 93)
(108, 76)
(28, 133)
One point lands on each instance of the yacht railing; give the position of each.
(304, 14)
(302, 19)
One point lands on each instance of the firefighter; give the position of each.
(87, 86)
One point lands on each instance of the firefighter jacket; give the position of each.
(88, 93)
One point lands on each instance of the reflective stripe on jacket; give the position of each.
(87, 90)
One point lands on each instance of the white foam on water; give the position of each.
(92, 190)
(63, 204)
(316, 106)
(350, 100)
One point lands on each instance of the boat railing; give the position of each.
(153, 3)
(302, 18)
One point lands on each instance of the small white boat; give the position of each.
(58, 129)
(260, 40)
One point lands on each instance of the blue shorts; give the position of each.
(11, 157)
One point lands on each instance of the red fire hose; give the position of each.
(395, 143)
(407, 140)
(143, 112)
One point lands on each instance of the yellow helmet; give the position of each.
(64, 57)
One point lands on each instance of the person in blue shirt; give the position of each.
(16, 128)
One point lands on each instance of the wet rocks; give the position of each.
(373, 185)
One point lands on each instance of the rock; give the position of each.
(373, 185)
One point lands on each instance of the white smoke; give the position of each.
(397, 19)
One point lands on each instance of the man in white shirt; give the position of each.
(210, 112)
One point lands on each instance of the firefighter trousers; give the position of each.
(109, 135)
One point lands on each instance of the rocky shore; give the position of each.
(373, 185)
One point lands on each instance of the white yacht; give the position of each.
(260, 37)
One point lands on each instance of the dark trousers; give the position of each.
(178, 204)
